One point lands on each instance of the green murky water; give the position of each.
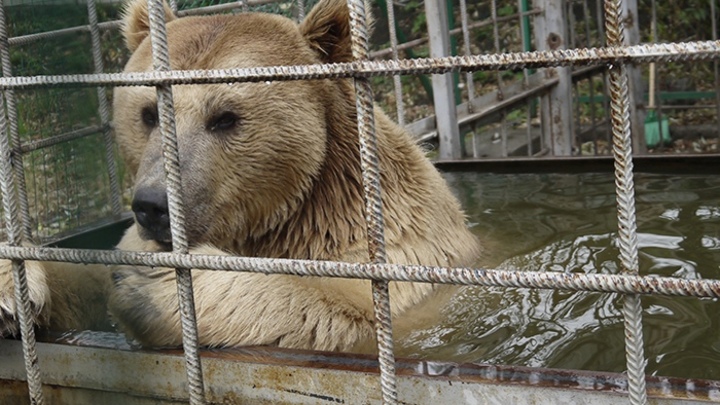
(567, 223)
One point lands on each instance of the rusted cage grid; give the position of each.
(584, 29)
(579, 96)
(60, 170)
(614, 55)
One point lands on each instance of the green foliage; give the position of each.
(67, 183)
(678, 20)
(505, 10)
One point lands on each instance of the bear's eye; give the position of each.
(149, 117)
(223, 122)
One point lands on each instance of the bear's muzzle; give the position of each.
(150, 206)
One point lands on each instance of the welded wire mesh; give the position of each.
(56, 188)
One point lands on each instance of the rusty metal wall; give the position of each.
(275, 376)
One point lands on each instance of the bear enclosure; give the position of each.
(494, 84)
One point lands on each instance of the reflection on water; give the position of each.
(567, 223)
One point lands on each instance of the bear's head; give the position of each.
(249, 152)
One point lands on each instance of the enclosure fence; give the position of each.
(614, 55)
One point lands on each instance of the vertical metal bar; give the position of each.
(556, 112)
(586, 18)
(104, 111)
(652, 93)
(500, 95)
(591, 79)
(14, 229)
(525, 25)
(575, 88)
(451, 145)
(716, 64)
(450, 13)
(606, 106)
(466, 45)
(593, 118)
(625, 188)
(300, 10)
(600, 12)
(12, 117)
(528, 130)
(525, 35)
(475, 141)
(166, 112)
(399, 105)
(370, 167)
(22, 296)
(503, 133)
(173, 6)
(571, 29)
(496, 44)
(629, 12)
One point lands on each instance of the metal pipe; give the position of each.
(171, 159)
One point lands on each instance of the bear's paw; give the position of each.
(38, 292)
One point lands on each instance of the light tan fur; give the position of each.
(285, 183)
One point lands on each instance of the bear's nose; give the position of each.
(150, 206)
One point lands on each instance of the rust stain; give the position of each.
(287, 371)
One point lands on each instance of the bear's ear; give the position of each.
(136, 22)
(327, 30)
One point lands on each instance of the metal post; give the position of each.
(716, 67)
(526, 46)
(466, 48)
(22, 295)
(556, 111)
(451, 146)
(173, 6)
(397, 83)
(370, 167)
(629, 12)
(104, 111)
(300, 7)
(166, 113)
(625, 190)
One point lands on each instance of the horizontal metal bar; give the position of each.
(225, 7)
(479, 24)
(376, 271)
(66, 137)
(700, 50)
(424, 129)
(30, 38)
(487, 104)
(684, 107)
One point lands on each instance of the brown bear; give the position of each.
(269, 169)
